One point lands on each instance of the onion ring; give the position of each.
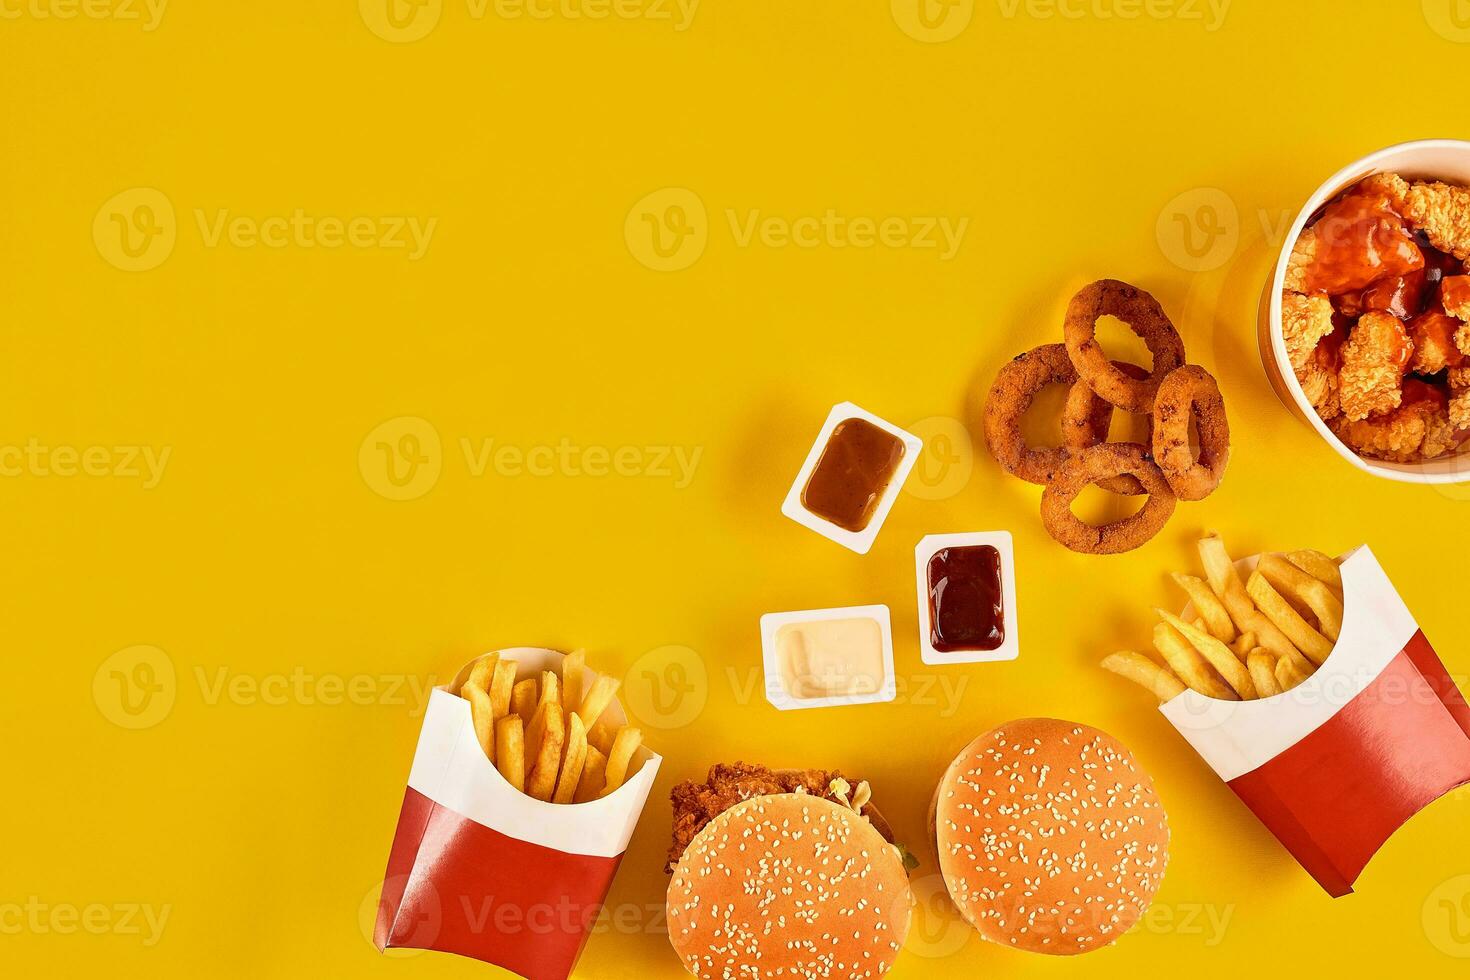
(1011, 394)
(1086, 420)
(1144, 317)
(1098, 463)
(1191, 391)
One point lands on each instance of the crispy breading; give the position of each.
(1441, 435)
(1373, 362)
(1458, 377)
(1454, 296)
(1460, 409)
(1305, 320)
(1442, 212)
(1318, 379)
(1300, 260)
(1394, 188)
(1396, 436)
(1435, 348)
(696, 804)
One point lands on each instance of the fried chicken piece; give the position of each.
(1441, 435)
(1454, 296)
(1374, 359)
(1442, 212)
(696, 804)
(1458, 377)
(1459, 409)
(1433, 335)
(1399, 435)
(1391, 187)
(1319, 375)
(1305, 320)
(1359, 238)
(1299, 262)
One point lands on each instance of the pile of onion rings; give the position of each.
(1171, 395)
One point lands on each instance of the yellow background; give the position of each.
(1077, 147)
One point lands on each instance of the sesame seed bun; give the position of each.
(789, 886)
(1050, 836)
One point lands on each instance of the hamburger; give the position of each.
(788, 885)
(1050, 836)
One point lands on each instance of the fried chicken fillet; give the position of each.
(1442, 212)
(1419, 428)
(1374, 359)
(1454, 296)
(1359, 238)
(1433, 335)
(696, 804)
(1305, 320)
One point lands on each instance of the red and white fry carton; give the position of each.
(1336, 765)
(481, 870)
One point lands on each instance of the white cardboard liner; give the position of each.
(1010, 647)
(776, 692)
(859, 541)
(1237, 737)
(450, 768)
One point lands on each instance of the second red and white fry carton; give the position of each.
(484, 871)
(1336, 765)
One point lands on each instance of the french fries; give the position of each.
(624, 745)
(1220, 656)
(1188, 665)
(1225, 582)
(571, 769)
(542, 733)
(599, 695)
(1288, 620)
(1244, 644)
(1249, 639)
(1141, 670)
(548, 756)
(480, 673)
(483, 715)
(1313, 593)
(589, 787)
(502, 682)
(511, 740)
(1262, 666)
(1320, 567)
(523, 699)
(1208, 606)
(1288, 675)
(601, 736)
